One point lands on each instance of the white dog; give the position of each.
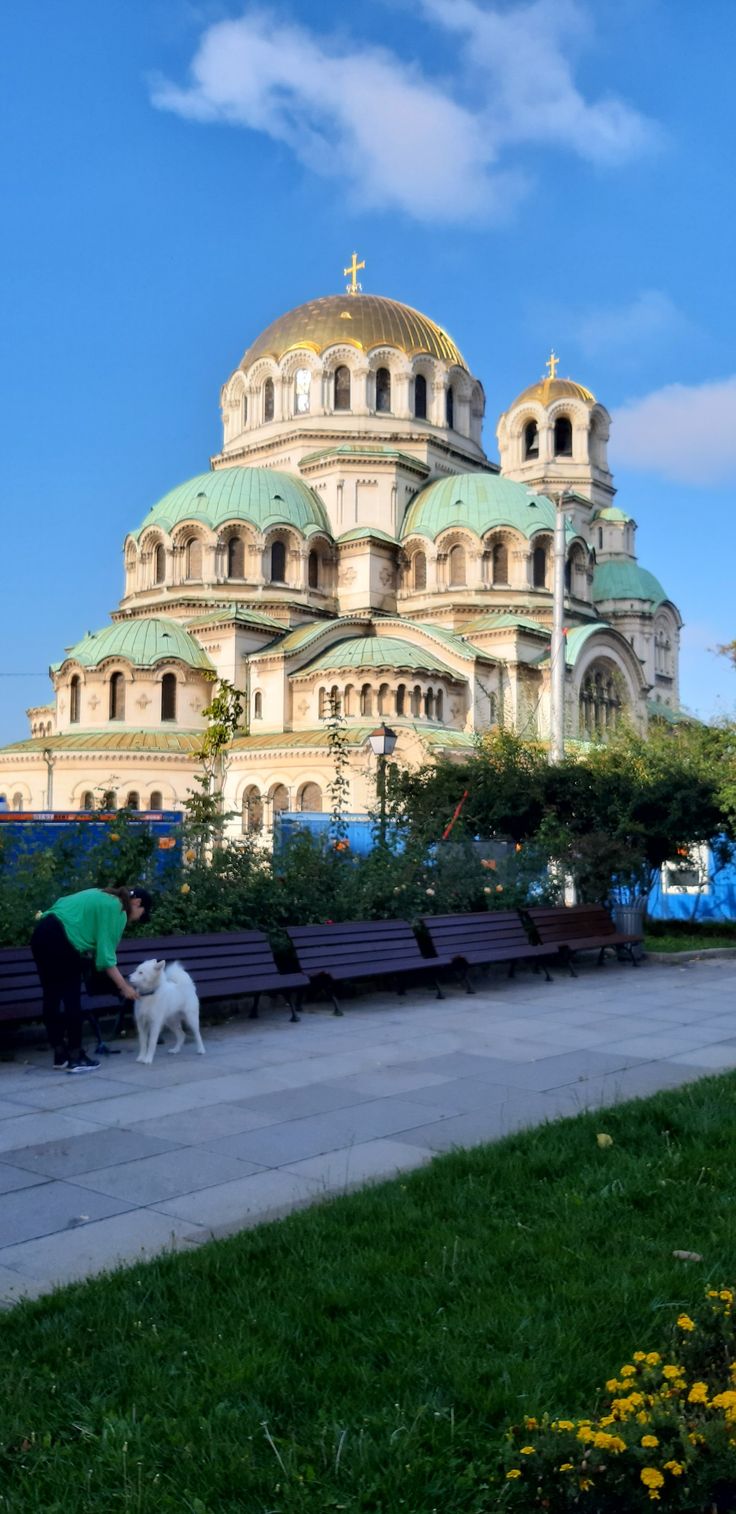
(167, 997)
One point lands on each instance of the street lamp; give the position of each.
(382, 740)
(557, 648)
(49, 759)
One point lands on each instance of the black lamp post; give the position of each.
(382, 740)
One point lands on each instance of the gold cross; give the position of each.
(553, 363)
(353, 287)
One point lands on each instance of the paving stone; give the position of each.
(151, 1179)
(235, 1206)
(14, 1287)
(338, 1171)
(45, 1208)
(720, 1057)
(88, 1249)
(18, 1133)
(70, 1094)
(154, 1102)
(294, 1140)
(84, 1153)
(14, 1177)
(298, 1103)
(195, 1126)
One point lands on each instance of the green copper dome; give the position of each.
(479, 501)
(262, 496)
(626, 580)
(140, 642)
(376, 652)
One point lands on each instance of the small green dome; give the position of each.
(479, 501)
(376, 652)
(612, 512)
(262, 496)
(141, 642)
(626, 580)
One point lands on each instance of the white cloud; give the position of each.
(683, 432)
(396, 137)
(651, 317)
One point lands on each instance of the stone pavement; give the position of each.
(133, 1160)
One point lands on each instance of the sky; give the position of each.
(174, 175)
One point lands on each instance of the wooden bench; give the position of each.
(578, 928)
(482, 938)
(225, 965)
(354, 950)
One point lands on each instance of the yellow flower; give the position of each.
(585, 1434)
(640, 1356)
(604, 1442)
(565, 1424)
(527, 1450)
(114, 836)
(566, 1466)
(684, 1322)
(725, 1400)
(651, 1477)
(628, 1370)
(612, 1385)
(726, 1295)
(642, 1417)
(185, 889)
(512, 1474)
(675, 1467)
(190, 856)
(669, 1372)
(604, 1141)
(695, 1439)
(585, 1483)
(649, 1440)
(652, 1358)
(531, 1423)
(698, 1394)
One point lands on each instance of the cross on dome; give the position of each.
(552, 364)
(353, 287)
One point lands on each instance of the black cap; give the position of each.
(146, 900)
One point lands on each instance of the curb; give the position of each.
(715, 953)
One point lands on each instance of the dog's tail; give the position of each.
(175, 973)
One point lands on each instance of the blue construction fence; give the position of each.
(38, 830)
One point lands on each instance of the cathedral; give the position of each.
(352, 545)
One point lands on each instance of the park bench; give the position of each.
(354, 950)
(225, 965)
(574, 928)
(478, 939)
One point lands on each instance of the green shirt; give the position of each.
(93, 922)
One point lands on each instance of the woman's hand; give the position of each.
(128, 991)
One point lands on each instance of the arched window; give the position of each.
(401, 699)
(416, 701)
(334, 703)
(429, 704)
(539, 568)
(419, 571)
(600, 538)
(563, 436)
(531, 440)
(236, 557)
(258, 705)
(159, 564)
(193, 559)
(310, 799)
(268, 400)
(342, 388)
(383, 390)
(457, 567)
(348, 700)
(74, 693)
(18, 803)
(366, 700)
(88, 800)
(323, 708)
(168, 696)
(500, 563)
(252, 812)
(439, 706)
(313, 570)
(117, 697)
(420, 397)
(156, 801)
(279, 799)
(600, 704)
(302, 380)
(278, 563)
(244, 410)
(383, 699)
(133, 801)
(450, 407)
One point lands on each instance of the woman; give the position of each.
(90, 922)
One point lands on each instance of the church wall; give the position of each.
(142, 709)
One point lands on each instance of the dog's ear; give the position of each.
(161, 965)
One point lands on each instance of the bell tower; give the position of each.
(554, 438)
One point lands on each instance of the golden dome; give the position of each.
(549, 389)
(361, 320)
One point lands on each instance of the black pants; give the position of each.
(59, 967)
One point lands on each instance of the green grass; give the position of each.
(688, 941)
(366, 1355)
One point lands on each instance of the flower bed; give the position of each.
(665, 1433)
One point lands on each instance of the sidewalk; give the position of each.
(133, 1160)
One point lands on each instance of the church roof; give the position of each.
(376, 652)
(361, 320)
(547, 390)
(143, 642)
(182, 743)
(479, 501)
(623, 579)
(262, 496)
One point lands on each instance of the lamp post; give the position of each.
(48, 758)
(557, 649)
(382, 740)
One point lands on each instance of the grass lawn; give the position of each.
(688, 941)
(366, 1355)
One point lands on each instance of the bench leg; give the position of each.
(464, 974)
(102, 1049)
(336, 1010)
(601, 956)
(512, 970)
(254, 1007)
(290, 1001)
(569, 966)
(438, 986)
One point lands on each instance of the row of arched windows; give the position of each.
(132, 801)
(235, 562)
(254, 806)
(562, 438)
(457, 567)
(116, 697)
(342, 395)
(366, 701)
(600, 703)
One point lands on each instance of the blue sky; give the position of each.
(175, 174)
